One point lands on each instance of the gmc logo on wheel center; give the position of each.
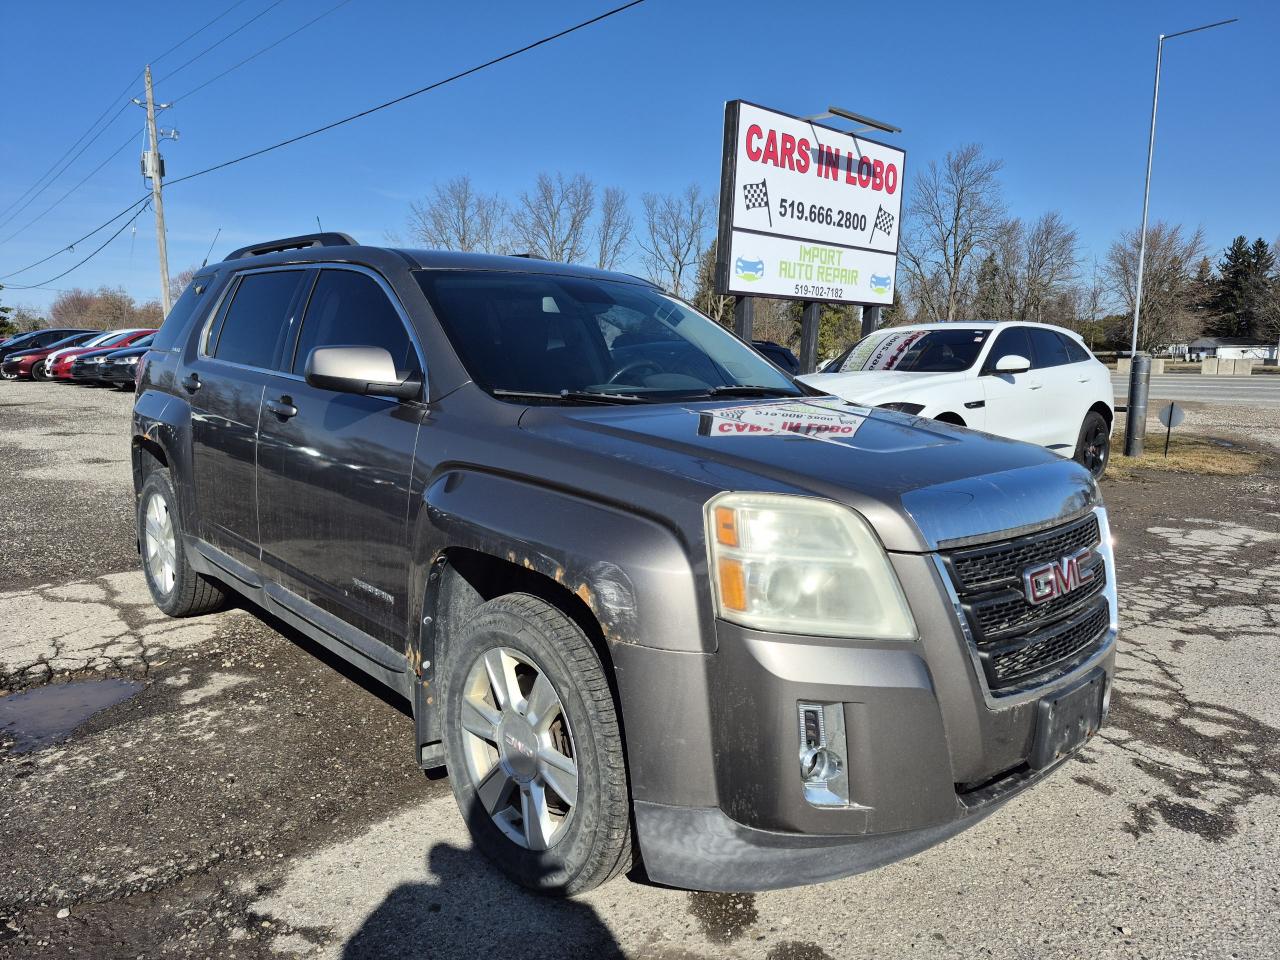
(1046, 581)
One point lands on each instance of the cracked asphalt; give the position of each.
(250, 797)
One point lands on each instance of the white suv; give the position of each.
(1028, 381)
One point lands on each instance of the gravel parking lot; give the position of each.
(250, 797)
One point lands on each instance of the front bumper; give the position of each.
(719, 796)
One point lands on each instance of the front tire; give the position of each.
(534, 747)
(176, 588)
(1093, 447)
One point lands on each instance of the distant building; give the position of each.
(1231, 348)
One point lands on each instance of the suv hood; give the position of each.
(871, 387)
(920, 483)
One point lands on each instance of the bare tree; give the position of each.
(1168, 294)
(69, 307)
(613, 231)
(1049, 263)
(24, 319)
(955, 212)
(181, 282)
(457, 217)
(551, 221)
(674, 227)
(716, 306)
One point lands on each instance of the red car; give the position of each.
(60, 368)
(29, 364)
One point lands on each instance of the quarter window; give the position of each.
(1049, 349)
(257, 318)
(350, 309)
(1075, 352)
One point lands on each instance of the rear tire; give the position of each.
(531, 728)
(176, 588)
(40, 371)
(1093, 447)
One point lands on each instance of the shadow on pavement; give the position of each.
(470, 910)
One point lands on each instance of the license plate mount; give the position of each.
(1066, 720)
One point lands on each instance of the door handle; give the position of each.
(191, 382)
(1035, 384)
(282, 408)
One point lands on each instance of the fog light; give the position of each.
(823, 747)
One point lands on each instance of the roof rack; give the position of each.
(328, 239)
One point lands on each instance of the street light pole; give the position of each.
(1136, 427)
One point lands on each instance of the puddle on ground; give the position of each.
(41, 717)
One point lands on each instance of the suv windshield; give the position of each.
(916, 351)
(560, 336)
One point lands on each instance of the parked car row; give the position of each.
(88, 356)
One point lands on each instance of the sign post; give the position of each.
(807, 212)
(1170, 416)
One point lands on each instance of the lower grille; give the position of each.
(1020, 644)
(1060, 646)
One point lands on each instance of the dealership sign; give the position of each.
(807, 212)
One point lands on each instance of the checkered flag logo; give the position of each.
(757, 195)
(884, 222)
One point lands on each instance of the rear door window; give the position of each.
(1049, 349)
(255, 322)
(348, 308)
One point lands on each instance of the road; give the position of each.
(1258, 390)
(251, 799)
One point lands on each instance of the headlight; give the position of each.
(131, 360)
(792, 564)
(911, 408)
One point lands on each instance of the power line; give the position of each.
(217, 43)
(45, 283)
(411, 94)
(72, 245)
(123, 93)
(145, 200)
(254, 56)
(82, 182)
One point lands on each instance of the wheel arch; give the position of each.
(951, 417)
(1103, 409)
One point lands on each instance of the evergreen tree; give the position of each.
(1246, 282)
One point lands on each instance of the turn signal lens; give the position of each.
(726, 526)
(733, 584)
(804, 565)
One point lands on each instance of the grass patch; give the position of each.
(1187, 454)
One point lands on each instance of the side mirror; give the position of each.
(1012, 363)
(359, 370)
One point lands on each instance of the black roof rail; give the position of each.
(327, 239)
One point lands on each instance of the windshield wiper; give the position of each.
(583, 396)
(752, 390)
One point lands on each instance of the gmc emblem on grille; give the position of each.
(1056, 578)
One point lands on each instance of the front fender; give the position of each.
(634, 574)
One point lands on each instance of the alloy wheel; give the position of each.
(1097, 448)
(159, 544)
(519, 748)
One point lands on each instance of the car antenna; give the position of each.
(210, 250)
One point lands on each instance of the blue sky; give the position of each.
(1061, 92)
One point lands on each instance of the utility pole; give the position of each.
(153, 167)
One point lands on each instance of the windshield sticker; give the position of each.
(890, 351)
(814, 420)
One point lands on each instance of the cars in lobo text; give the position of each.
(90, 367)
(29, 364)
(58, 366)
(1028, 381)
(120, 367)
(645, 592)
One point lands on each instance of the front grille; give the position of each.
(982, 568)
(1020, 644)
